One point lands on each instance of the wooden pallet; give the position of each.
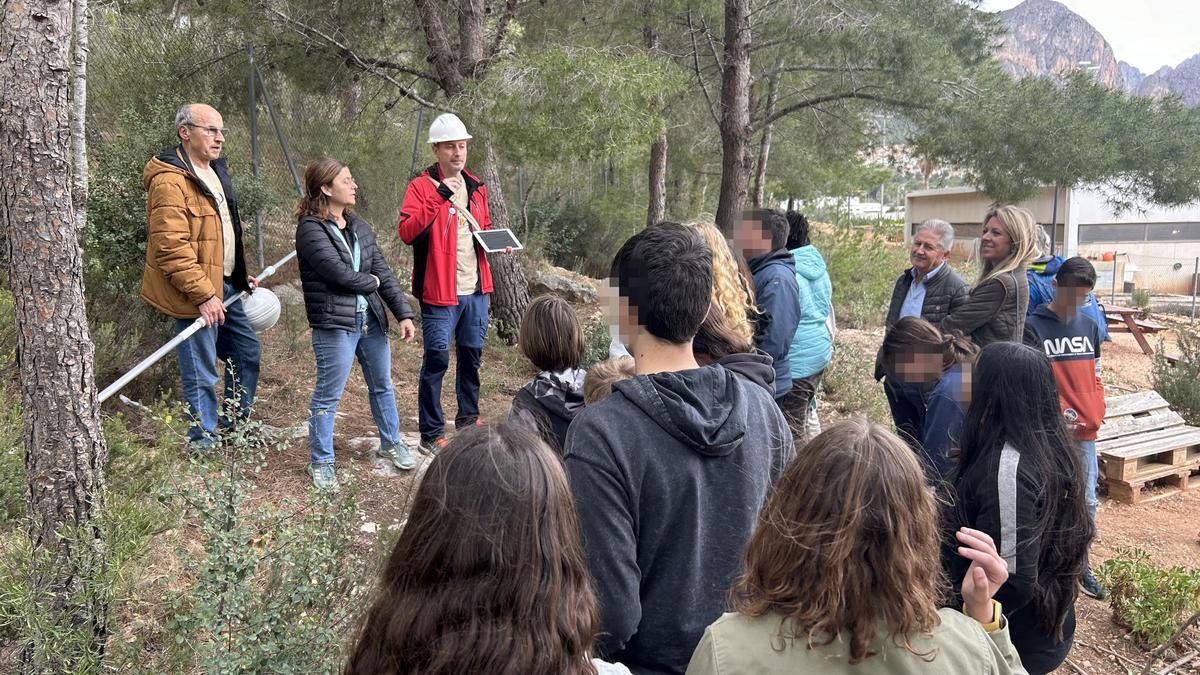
(1143, 443)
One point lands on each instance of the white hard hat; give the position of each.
(262, 309)
(447, 127)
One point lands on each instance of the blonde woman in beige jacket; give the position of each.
(842, 574)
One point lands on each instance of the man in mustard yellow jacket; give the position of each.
(194, 260)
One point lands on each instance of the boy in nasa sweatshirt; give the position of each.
(1071, 340)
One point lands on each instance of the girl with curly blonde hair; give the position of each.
(732, 293)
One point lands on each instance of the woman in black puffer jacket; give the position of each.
(346, 285)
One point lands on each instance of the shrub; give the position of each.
(275, 587)
(863, 270)
(849, 385)
(1179, 384)
(1141, 298)
(131, 516)
(583, 237)
(596, 340)
(1151, 602)
(12, 461)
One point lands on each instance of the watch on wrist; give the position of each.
(997, 621)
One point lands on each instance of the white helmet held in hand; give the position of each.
(447, 127)
(262, 309)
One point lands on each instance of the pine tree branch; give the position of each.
(712, 109)
(510, 10)
(818, 100)
(368, 65)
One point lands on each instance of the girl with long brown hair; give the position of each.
(1020, 478)
(841, 574)
(917, 354)
(489, 574)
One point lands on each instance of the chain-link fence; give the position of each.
(1149, 280)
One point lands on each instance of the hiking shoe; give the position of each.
(399, 455)
(323, 477)
(1091, 586)
(432, 447)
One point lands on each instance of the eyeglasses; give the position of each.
(211, 131)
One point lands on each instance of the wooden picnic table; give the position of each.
(1133, 321)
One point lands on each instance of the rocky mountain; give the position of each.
(1047, 39)
(1131, 77)
(1182, 80)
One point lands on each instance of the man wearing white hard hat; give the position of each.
(194, 260)
(451, 276)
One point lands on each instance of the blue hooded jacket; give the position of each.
(812, 345)
(1040, 273)
(776, 294)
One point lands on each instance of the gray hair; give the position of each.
(184, 116)
(944, 231)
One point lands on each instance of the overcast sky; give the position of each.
(1149, 34)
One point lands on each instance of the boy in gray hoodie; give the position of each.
(670, 470)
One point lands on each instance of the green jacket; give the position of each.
(735, 645)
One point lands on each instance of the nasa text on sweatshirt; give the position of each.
(1073, 347)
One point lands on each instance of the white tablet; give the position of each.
(495, 241)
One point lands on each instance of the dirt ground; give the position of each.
(1167, 528)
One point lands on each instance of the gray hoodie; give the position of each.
(669, 473)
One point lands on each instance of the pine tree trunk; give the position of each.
(64, 446)
(764, 149)
(511, 294)
(760, 174)
(735, 116)
(657, 208)
(658, 181)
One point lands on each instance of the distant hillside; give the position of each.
(1131, 77)
(1182, 80)
(1048, 40)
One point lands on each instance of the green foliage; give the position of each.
(12, 461)
(1150, 601)
(584, 237)
(863, 270)
(1179, 383)
(596, 340)
(1015, 136)
(849, 386)
(1141, 298)
(112, 554)
(569, 101)
(275, 586)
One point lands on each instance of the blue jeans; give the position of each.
(467, 323)
(235, 343)
(335, 350)
(1091, 472)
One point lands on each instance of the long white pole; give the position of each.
(183, 335)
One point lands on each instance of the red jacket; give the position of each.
(427, 224)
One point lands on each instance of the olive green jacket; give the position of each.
(739, 645)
